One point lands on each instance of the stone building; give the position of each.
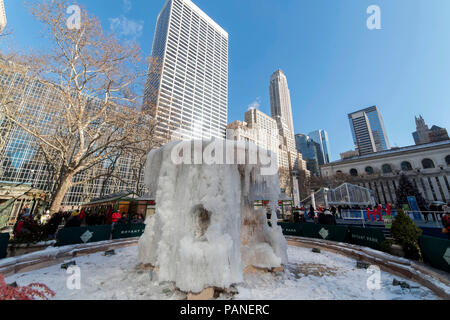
(427, 166)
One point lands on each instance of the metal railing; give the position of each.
(421, 218)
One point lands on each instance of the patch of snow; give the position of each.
(119, 277)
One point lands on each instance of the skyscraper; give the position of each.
(368, 131)
(280, 99)
(2, 16)
(310, 151)
(187, 86)
(289, 159)
(281, 110)
(321, 137)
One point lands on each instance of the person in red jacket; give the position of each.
(371, 214)
(378, 212)
(116, 216)
(388, 209)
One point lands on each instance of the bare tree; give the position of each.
(95, 112)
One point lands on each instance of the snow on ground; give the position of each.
(308, 276)
(326, 276)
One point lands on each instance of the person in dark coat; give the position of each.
(52, 225)
(311, 212)
(327, 218)
(73, 222)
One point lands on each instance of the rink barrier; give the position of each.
(436, 252)
(326, 232)
(317, 231)
(4, 240)
(366, 237)
(128, 231)
(78, 235)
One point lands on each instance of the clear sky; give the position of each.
(333, 63)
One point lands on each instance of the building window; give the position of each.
(428, 164)
(369, 170)
(406, 166)
(386, 168)
(447, 160)
(354, 172)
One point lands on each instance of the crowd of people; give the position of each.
(328, 216)
(45, 226)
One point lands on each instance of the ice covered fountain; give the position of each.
(205, 232)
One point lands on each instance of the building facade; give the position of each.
(369, 133)
(427, 166)
(424, 134)
(321, 138)
(187, 86)
(3, 20)
(257, 128)
(21, 162)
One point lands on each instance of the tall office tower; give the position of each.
(321, 137)
(289, 159)
(368, 131)
(2, 16)
(187, 86)
(281, 110)
(280, 99)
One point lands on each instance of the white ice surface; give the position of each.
(119, 277)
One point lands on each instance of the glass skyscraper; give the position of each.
(369, 133)
(187, 86)
(311, 152)
(321, 137)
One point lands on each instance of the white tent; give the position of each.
(345, 194)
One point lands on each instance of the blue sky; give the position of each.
(333, 63)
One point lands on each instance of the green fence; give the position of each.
(436, 252)
(4, 240)
(366, 237)
(68, 236)
(128, 231)
(292, 229)
(310, 230)
(326, 232)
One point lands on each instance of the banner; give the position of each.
(4, 240)
(326, 232)
(367, 237)
(79, 235)
(436, 252)
(128, 231)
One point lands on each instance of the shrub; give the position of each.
(30, 292)
(406, 233)
(386, 246)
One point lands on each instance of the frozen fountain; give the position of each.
(205, 232)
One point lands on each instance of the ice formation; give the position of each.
(205, 230)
